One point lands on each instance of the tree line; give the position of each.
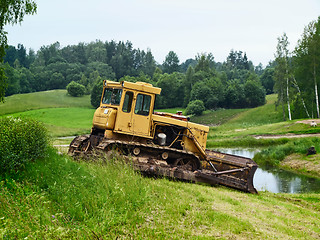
(11, 12)
(297, 74)
(234, 83)
(53, 67)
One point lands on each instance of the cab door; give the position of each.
(124, 115)
(141, 117)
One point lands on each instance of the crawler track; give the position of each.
(219, 168)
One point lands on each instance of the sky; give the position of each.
(187, 27)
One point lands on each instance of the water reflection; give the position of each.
(276, 180)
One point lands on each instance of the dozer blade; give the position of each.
(229, 170)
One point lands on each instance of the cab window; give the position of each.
(127, 103)
(112, 96)
(142, 104)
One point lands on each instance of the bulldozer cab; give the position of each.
(134, 103)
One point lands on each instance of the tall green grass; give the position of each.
(58, 198)
(66, 199)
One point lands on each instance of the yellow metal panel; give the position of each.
(109, 134)
(141, 86)
(189, 145)
(198, 126)
(132, 123)
(124, 120)
(104, 118)
(138, 86)
(173, 121)
(107, 83)
(168, 120)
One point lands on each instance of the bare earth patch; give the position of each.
(289, 135)
(310, 121)
(296, 161)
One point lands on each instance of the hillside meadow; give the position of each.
(39, 100)
(56, 197)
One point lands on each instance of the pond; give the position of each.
(277, 180)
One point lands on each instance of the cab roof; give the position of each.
(138, 86)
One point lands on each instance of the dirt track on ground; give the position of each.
(289, 135)
(311, 122)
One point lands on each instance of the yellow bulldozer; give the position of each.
(159, 143)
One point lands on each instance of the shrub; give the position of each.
(76, 89)
(22, 140)
(195, 107)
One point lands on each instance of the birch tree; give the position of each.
(282, 74)
(295, 84)
(307, 61)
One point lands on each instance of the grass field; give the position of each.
(62, 114)
(62, 121)
(264, 120)
(48, 99)
(59, 198)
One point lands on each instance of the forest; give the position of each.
(234, 83)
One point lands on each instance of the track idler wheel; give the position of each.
(136, 151)
(165, 155)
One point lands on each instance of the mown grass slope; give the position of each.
(264, 120)
(58, 198)
(39, 100)
(62, 121)
(62, 114)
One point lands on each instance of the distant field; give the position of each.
(218, 117)
(240, 128)
(258, 116)
(242, 118)
(63, 121)
(39, 100)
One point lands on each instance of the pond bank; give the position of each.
(307, 165)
